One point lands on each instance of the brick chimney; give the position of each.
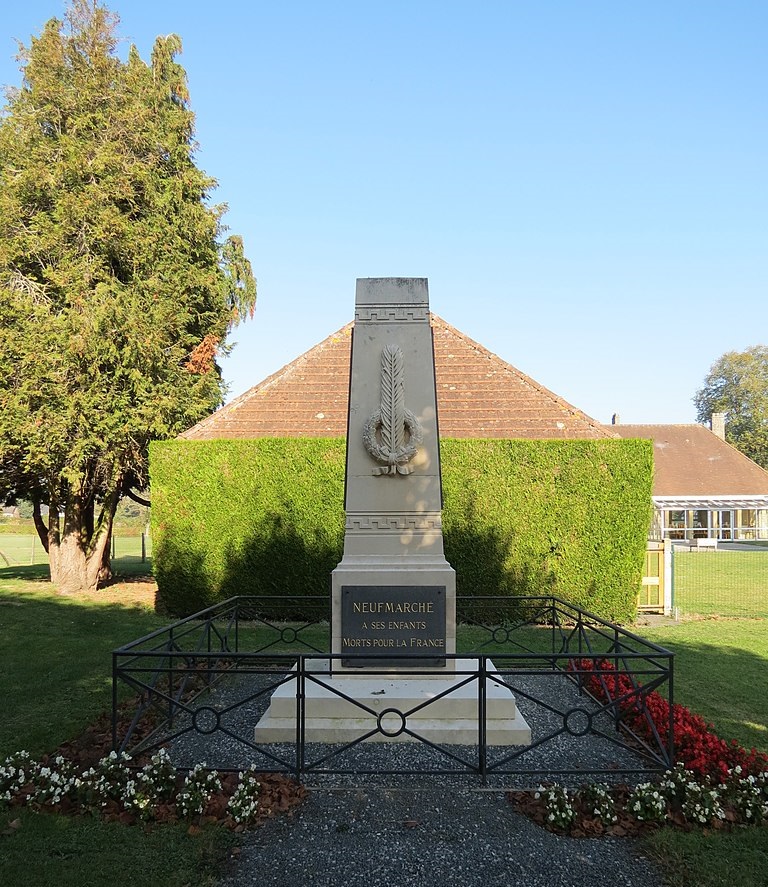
(717, 423)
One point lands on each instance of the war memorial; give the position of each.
(394, 594)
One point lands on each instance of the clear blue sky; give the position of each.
(584, 182)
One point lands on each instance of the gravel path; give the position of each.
(360, 830)
(440, 837)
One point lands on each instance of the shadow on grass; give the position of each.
(124, 569)
(28, 573)
(724, 685)
(56, 663)
(58, 851)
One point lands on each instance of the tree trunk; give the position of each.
(105, 570)
(76, 560)
(37, 518)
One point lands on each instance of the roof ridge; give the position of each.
(537, 386)
(661, 425)
(282, 373)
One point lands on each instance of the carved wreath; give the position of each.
(399, 431)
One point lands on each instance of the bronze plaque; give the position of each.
(397, 626)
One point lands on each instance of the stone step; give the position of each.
(390, 700)
(441, 732)
(325, 697)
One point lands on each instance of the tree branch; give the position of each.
(40, 526)
(136, 498)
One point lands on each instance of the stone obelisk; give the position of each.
(393, 592)
(393, 676)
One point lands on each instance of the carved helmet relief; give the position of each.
(393, 434)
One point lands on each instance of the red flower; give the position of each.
(647, 713)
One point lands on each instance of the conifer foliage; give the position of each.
(117, 285)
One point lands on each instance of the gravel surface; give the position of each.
(426, 830)
(427, 838)
(541, 699)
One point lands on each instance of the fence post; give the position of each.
(114, 701)
(482, 674)
(113, 546)
(669, 577)
(671, 701)
(143, 548)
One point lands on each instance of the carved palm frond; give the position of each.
(392, 400)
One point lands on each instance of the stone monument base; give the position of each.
(393, 703)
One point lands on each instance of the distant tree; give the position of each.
(117, 287)
(737, 385)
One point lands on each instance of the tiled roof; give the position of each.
(692, 461)
(478, 395)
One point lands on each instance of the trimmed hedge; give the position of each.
(266, 516)
(568, 518)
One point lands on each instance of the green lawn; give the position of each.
(721, 669)
(721, 673)
(711, 859)
(726, 583)
(56, 665)
(55, 671)
(55, 674)
(58, 851)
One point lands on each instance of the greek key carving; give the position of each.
(393, 523)
(391, 313)
(393, 434)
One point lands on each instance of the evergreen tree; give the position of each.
(117, 288)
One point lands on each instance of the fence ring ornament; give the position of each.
(204, 717)
(388, 731)
(288, 635)
(578, 721)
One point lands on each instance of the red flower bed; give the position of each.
(696, 745)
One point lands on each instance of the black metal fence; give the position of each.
(583, 684)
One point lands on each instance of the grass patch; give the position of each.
(56, 665)
(711, 859)
(58, 851)
(55, 671)
(720, 666)
(728, 583)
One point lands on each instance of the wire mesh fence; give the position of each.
(22, 549)
(729, 580)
